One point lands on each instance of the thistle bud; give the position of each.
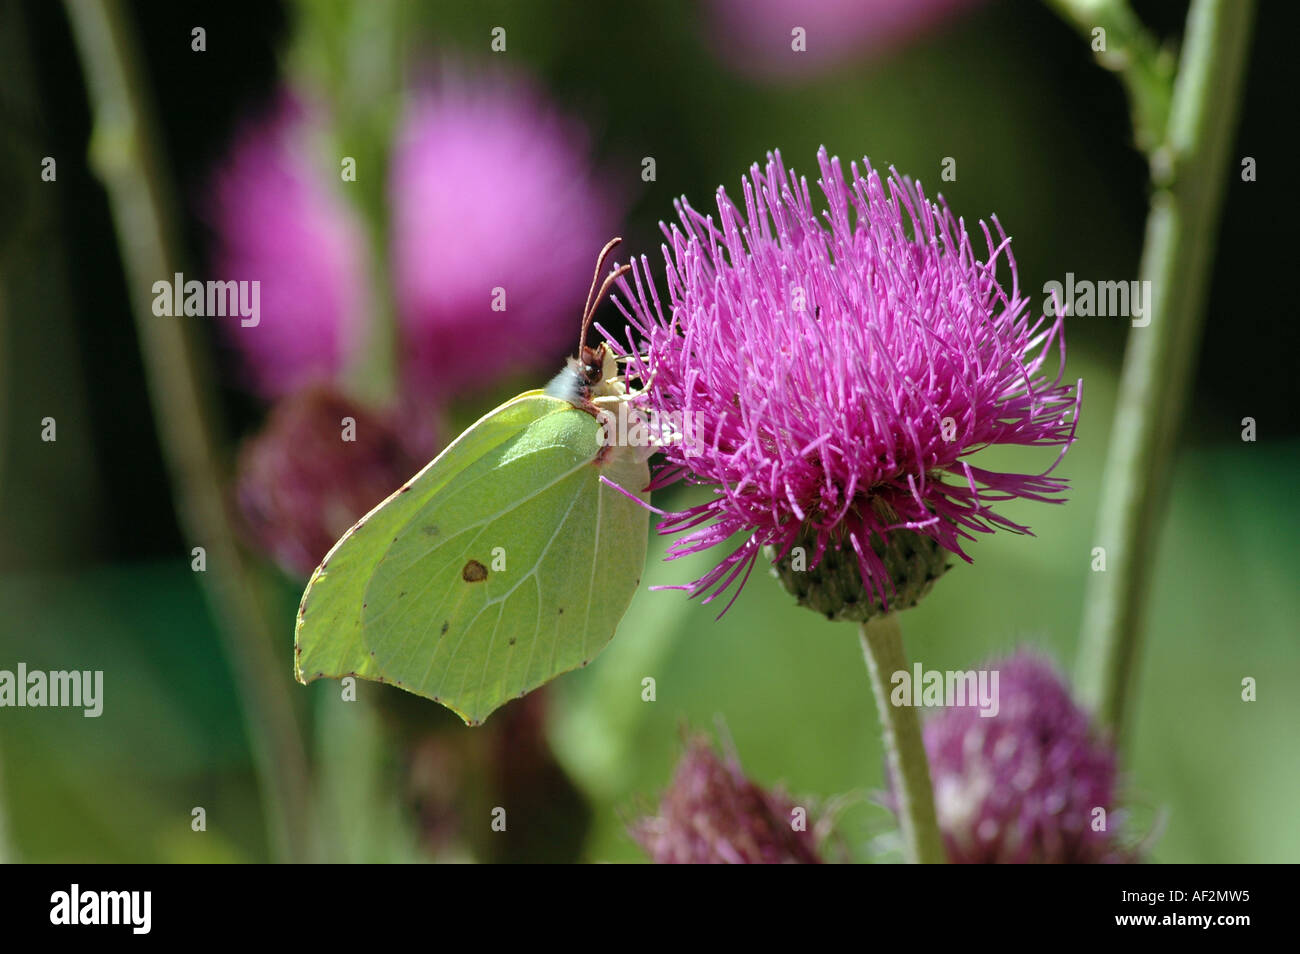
(1034, 783)
(319, 465)
(713, 814)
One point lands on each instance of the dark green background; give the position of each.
(94, 572)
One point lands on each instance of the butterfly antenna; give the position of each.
(609, 280)
(593, 299)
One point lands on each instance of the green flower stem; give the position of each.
(1129, 50)
(882, 645)
(1189, 169)
(125, 154)
(360, 82)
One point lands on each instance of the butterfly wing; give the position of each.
(503, 563)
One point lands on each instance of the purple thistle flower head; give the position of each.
(496, 209)
(713, 814)
(1023, 785)
(276, 221)
(838, 369)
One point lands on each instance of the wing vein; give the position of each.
(359, 633)
(595, 560)
(501, 600)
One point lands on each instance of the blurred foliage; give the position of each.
(96, 576)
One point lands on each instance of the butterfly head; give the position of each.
(590, 364)
(593, 374)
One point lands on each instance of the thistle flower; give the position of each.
(1023, 786)
(309, 475)
(495, 212)
(760, 39)
(839, 369)
(713, 814)
(276, 221)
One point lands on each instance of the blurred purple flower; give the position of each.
(713, 814)
(491, 189)
(277, 221)
(1022, 786)
(840, 368)
(755, 36)
(300, 484)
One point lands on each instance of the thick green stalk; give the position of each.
(125, 154)
(1190, 170)
(909, 768)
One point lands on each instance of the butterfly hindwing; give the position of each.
(502, 564)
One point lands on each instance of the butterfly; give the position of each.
(507, 560)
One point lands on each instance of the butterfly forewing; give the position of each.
(503, 563)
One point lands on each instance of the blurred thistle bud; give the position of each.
(318, 465)
(276, 221)
(809, 37)
(713, 814)
(496, 210)
(1032, 784)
